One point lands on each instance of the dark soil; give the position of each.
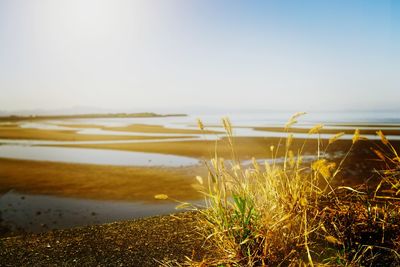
(144, 242)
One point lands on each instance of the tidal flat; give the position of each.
(130, 160)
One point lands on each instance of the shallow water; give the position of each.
(44, 126)
(94, 131)
(93, 156)
(38, 213)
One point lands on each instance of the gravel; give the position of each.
(143, 242)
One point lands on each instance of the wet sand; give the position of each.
(245, 147)
(98, 181)
(359, 167)
(142, 183)
(142, 128)
(8, 132)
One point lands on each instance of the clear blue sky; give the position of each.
(147, 54)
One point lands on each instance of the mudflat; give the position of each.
(245, 147)
(101, 182)
(15, 132)
(143, 128)
(142, 183)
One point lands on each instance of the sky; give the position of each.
(183, 54)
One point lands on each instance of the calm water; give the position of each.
(93, 156)
(38, 213)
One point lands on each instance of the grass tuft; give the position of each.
(285, 212)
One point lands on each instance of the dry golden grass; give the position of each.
(290, 214)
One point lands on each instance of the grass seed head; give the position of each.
(333, 240)
(379, 154)
(356, 136)
(316, 129)
(293, 120)
(200, 124)
(161, 196)
(199, 179)
(335, 137)
(227, 125)
(323, 167)
(383, 137)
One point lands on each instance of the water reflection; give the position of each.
(93, 156)
(39, 213)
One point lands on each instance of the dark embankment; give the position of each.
(131, 243)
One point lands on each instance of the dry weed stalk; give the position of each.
(288, 214)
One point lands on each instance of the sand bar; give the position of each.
(68, 135)
(143, 128)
